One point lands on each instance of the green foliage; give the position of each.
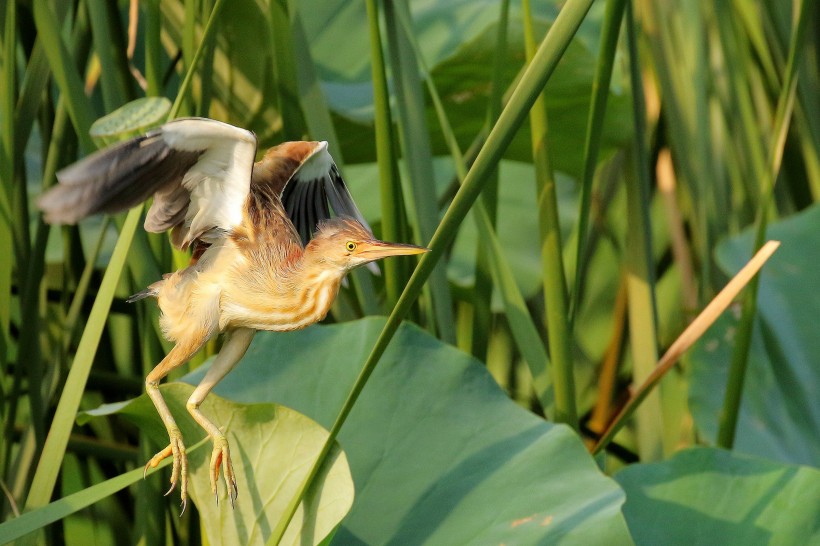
(711, 496)
(605, 216)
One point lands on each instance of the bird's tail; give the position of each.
(151, 292)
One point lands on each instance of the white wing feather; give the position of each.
(220, 180)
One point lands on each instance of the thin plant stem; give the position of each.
(743, 340)
(552, 261)
(689, 336)
(639, 263)
(613, 16)
(389, 185)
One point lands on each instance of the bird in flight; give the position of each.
(266, 253)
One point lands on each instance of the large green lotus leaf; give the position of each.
(271, 448)
(438, 453)
(711, 496)
(779, 413)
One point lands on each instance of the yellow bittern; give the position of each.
(266, 254)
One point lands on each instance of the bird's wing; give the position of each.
(197, 169)
(309, 184)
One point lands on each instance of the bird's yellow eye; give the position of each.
(351, 246)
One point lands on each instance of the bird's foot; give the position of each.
(179, 468)
(221, 458)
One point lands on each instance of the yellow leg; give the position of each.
(232, 352)
(176, 448)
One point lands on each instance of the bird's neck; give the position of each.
(294, 295)
(309, 288)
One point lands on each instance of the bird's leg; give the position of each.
(232, 351)
(176, 448)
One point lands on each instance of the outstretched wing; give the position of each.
(197, 169)
(308, 182)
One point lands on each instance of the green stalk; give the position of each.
(743, 339)
(31, 88)
(523, 329)
(46, 475)
(7, 145)
(682, 66)
(7, 90)
(29, 351)
(113, 92)
(16, 185)
(552, 261)
(613, 16)
(418, 158)
(283, 59)
(73, 315)
(495, 103)
(207, 36)
(393, 225)
(502, 133)
(153, 48)
(207, 68)
(62, 68)
(483, 286)
(640, 276)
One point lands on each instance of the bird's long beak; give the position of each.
(376, 250)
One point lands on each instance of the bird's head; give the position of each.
(344, 243)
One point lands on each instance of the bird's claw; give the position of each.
(179, 468)
(221, 459)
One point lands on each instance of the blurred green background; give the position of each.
(670, 141)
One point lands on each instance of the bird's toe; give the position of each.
(221, 461)
(179, 467)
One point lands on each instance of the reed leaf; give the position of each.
(393, 221)
(613, 17)
(552, 261)
(482, 287)
(777, 141)
(7, 98)
(62, 69)
(640, 264)
(418, 158)
(113, 89)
